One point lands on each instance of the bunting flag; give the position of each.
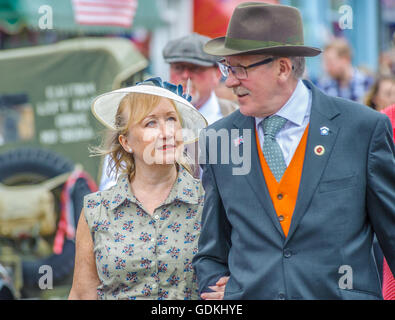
(117, 13)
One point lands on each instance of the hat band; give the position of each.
(243, 44)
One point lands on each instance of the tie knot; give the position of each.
(271, 126)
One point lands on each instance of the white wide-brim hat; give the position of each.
(105, 108)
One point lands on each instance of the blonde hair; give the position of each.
(133, 108)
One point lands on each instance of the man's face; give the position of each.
(257, 95)
(203, 80)
(334, 65)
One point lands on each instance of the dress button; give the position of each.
(287, 253)
(281, 218)
(281, 296)
(156, 217)
(153, 239)
(280, 196)
(154, 285)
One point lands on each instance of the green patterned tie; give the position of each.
(271, 149)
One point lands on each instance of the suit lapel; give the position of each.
(322, 114)
(255, 177)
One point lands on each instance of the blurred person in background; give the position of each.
(137, 239)
(387, 60)
(221, 91)
(382, 93)
(343, 80)
(188, 61)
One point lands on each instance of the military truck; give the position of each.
(46, 129)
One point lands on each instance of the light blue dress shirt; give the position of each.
(297, 111)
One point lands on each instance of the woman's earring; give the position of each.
(130, 150)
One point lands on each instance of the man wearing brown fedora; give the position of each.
(300, 223)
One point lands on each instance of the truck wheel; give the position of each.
(25, 166)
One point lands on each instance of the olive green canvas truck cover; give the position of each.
(46, 94)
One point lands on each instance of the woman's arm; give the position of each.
(85, 280)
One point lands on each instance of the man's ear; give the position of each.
(284, 69)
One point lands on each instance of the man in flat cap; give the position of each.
(188, 61)
(300, 223)
(191, 67)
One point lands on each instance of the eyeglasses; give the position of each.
(241, 71)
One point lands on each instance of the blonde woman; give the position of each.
(137, 239)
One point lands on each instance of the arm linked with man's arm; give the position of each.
(211, 261)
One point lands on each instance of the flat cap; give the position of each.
(189, 49)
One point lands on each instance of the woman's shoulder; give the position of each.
(104, 196)
(94, 199)
(96, 206)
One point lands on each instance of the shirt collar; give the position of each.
(185, 189)
(296, 107)
(211, 109)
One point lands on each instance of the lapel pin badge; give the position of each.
(238, 141)
(319, 150)
(324, 131)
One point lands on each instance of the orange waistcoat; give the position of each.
(285, 192)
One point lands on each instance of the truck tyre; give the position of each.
(24, 166)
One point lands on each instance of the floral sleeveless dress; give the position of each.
(139, 256)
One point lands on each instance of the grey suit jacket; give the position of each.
(345, 196)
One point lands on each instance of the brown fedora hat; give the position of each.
(261, 28)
